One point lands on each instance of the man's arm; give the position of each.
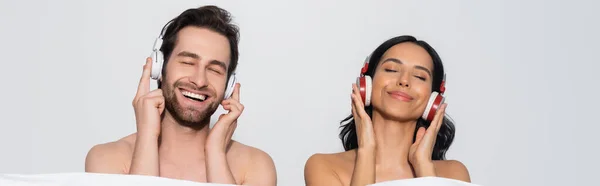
(109, 158)
(217, 168)
(219, 141)
(148, 106)
(261, 171)
(317, 172)
(145, 156)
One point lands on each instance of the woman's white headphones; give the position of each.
(435, 99)
(158, 59)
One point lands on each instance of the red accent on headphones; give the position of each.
(443, 85)
(364, 84)
(434, 107)
(364, 69)
(361, 88)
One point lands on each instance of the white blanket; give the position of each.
(423, 181)
(93, 179)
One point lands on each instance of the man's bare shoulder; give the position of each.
(257, 165)
(123, 145)
(110, 157)
(240, 151)
(452, 169)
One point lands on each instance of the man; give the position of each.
(173, 138)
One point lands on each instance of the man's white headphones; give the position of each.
(158, 59)
(435, 99)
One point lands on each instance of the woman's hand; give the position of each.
(362, 121)
(364, 165)
(420, 152)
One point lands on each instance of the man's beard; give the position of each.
(187, 116)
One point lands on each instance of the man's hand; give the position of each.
(148, 105)
(220, 135)
(148, 108)
(219, 138)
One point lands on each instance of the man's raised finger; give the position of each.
(236, 92)
(144, 86)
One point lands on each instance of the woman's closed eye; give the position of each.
(390, 70)
(421, 78)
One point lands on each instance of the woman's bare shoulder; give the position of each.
(452, 169)
(328, 168)
(332, 159)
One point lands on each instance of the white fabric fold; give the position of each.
(425, 181)
(93, 179)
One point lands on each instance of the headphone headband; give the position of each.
(164, 29)
(443, 85)
(364, 69)
(159, 40)
(157, 44)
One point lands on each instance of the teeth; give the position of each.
(195, 96)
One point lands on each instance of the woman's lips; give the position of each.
(401, 95)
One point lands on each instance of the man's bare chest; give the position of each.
(191, 171)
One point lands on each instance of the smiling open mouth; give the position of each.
(194, 96)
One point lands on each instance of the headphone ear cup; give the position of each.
(434, 103)
(157, 64)
(364, 88)
(230, 86)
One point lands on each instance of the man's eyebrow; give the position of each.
(188, 54)
(219, 63)
(400, 62)
(195, 56)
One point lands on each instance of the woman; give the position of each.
(389, 137)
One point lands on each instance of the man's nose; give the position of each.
(199, 78)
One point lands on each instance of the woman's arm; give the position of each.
(364, 167)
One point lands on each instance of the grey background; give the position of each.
(521, 83)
